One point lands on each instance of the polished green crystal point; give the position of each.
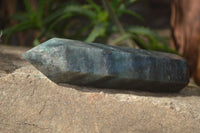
(105, 66)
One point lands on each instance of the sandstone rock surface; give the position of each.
(29, 102)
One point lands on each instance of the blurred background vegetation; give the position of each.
(116, 22)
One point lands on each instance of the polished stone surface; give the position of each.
(105, 66)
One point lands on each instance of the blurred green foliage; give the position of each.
(88, 22)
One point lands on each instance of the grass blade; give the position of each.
(133, 14)
(98, 30)
(145, 31)
(121, 38)
(41, 7)
(28, 7)
(17, 28)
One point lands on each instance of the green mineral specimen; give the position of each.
(105, 66)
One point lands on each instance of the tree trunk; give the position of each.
(185, 24)
(7, 8)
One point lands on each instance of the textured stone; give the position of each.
(31, 103)
(105, 66)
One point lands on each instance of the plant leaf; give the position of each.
(64, 16)
(140, 42)
(19, 16)
(75, 9)
(28, 7)
(18, 27)
(98, 30)
(41, 7)
(121, 38)
(134, 14)
(145, 31)
(94, 5)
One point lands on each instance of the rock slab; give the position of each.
(31, 103)
(104, 66)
